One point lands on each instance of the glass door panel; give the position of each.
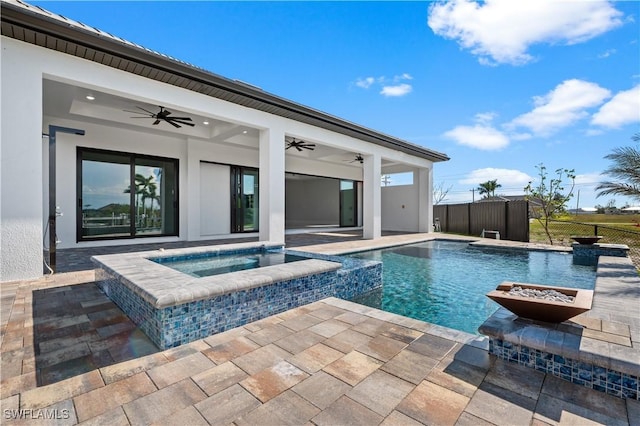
(250, 200)
(105, 200)
(245, 200)
(155, 197)
(348, 210)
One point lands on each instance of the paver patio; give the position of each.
(74, 356)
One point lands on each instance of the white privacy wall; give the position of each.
(400, 208)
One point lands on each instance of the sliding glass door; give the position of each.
(123, 195)
(245, 199)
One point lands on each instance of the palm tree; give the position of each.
(141, 184)
(488, 188)
(625, 170)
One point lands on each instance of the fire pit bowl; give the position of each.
(525, 304)
(586, 239)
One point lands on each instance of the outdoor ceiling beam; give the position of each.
(74, 33)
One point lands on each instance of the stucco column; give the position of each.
(372, 214)
(271, 183)
(425, 199)
(192, 203)
(21, 168)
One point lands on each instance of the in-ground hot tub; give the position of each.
(174, 308)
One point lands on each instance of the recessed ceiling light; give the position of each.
(206, 123)
(244, 131)
(90, 97)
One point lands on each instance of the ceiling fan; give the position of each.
(163, 115)
(299, 145)
(359, 158)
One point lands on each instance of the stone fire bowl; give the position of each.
(586, 239)
(540, 309)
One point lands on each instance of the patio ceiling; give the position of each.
(65, 101)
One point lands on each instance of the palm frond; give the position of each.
(618, 188)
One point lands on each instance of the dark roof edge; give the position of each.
(32, 18)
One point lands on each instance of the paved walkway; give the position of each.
(68, 353)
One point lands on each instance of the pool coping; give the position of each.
(162, 286)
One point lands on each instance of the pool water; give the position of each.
(445, 283)
(215, 264)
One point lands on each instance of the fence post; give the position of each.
(506, 220)
(595, 230)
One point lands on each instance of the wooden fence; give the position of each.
(509, 218)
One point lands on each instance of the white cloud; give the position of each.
(389, 86)
(588, 179)
(623, 108)
(561, 107)
(480, 136)
(485, 117)
(365, 83)
(398, 90)
(607, 53)
(510, 179)
(404, 76)
(501, 31)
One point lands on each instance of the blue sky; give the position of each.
(500, 86)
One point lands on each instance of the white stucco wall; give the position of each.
(400, 208)
(20, 165)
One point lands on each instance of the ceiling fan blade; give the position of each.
(145, 110)
(145, 117)
(181, 122)
(310, 148)
(298, 148)
(156, 122)
(133, 112)
(173, 124)
(180, 118)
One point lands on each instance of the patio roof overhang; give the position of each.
(32, 24)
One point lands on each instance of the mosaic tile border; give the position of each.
(185, 322)
(588, 254)
(594, 377)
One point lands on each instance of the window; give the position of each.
(124, 195)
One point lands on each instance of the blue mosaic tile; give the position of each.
(595, 377)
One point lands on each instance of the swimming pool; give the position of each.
(445, 282)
